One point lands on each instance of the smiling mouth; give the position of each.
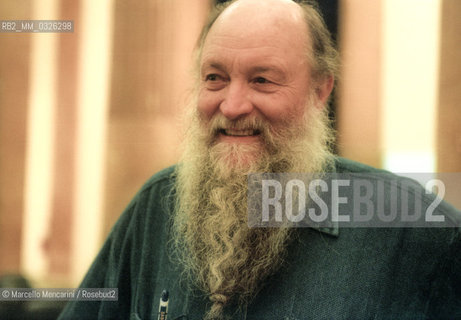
(240, 133)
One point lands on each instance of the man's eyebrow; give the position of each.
(275, 69)
(266, 69)
(277, 72)
(213, 64)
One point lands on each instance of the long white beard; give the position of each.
(219, 253)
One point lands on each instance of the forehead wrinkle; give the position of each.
(213, 63)
(224, 39)
(268, 67)
(264, 62)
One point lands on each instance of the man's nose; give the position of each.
(236, 103)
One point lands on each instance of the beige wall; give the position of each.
(449, 101)
(359, 94)
(14, 89)
(100, 119)
(150, 78)
(399, 94)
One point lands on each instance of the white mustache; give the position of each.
(244, 126)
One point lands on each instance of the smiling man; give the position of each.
(265, 70)
(257, 85)
(260, 108)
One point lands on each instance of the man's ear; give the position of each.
(324, 88)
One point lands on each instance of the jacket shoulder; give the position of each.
(344, 165)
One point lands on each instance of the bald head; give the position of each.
(253, 15)
(253, 23)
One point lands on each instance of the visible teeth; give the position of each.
(232, 132)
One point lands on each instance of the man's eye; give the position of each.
(214, 81)
(212, 77)
(260, 80)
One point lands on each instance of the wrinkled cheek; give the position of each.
(207, 104)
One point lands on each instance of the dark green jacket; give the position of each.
(358, 273)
